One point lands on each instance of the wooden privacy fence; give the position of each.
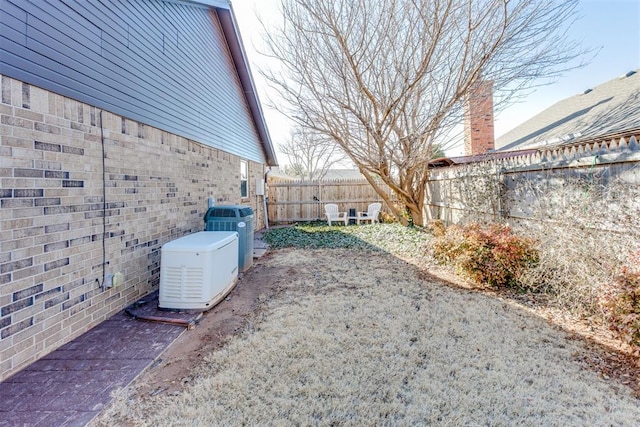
(299, 201)
(543, 185)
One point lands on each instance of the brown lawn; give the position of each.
(347, 337)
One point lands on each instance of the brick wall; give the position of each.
(54, 232)
(478, 120)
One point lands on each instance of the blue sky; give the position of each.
(610, 26)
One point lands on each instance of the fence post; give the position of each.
(320, 197)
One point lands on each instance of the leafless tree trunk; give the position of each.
(310, 154)
(386, 79)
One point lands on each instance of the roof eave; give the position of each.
(236, 48)
(223, 4)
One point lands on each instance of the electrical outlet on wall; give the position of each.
(118, 279)
(108, 280)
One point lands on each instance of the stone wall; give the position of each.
(85, 193)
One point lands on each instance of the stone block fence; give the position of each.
(85, 193)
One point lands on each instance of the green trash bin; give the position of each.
(234, 218)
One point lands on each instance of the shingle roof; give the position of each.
(610, 108)
(343, 174)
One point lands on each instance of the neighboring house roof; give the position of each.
(343, 174)
(176, 65)
(279, 174)
(442, 162)
(331, 174)
(606, 110)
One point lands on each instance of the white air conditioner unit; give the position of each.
(197, 271)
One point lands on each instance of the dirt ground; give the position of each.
(177, 367)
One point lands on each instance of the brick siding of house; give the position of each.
(51, 213)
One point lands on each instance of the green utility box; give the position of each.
(234, 218)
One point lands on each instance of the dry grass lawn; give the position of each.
(356, 337)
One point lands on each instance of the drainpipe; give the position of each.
(264, 200)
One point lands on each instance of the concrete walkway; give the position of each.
(71, 385)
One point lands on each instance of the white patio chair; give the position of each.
(371, 214)
(331, 210)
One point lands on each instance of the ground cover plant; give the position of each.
(393, 238)
(360, 337)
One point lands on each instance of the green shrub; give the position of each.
(622, 305)
(492, 256)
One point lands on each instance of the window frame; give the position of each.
(244, 180)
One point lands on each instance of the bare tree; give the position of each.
(310, 154)
(386, 79)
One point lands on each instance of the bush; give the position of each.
(492, 256)
(437, 227)
(449, 244)
(387, 218)
(622, 305)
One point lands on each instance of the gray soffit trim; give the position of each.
(218, 4)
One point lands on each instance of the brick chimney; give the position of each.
(478, 120)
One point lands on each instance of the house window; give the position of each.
(244, 188)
